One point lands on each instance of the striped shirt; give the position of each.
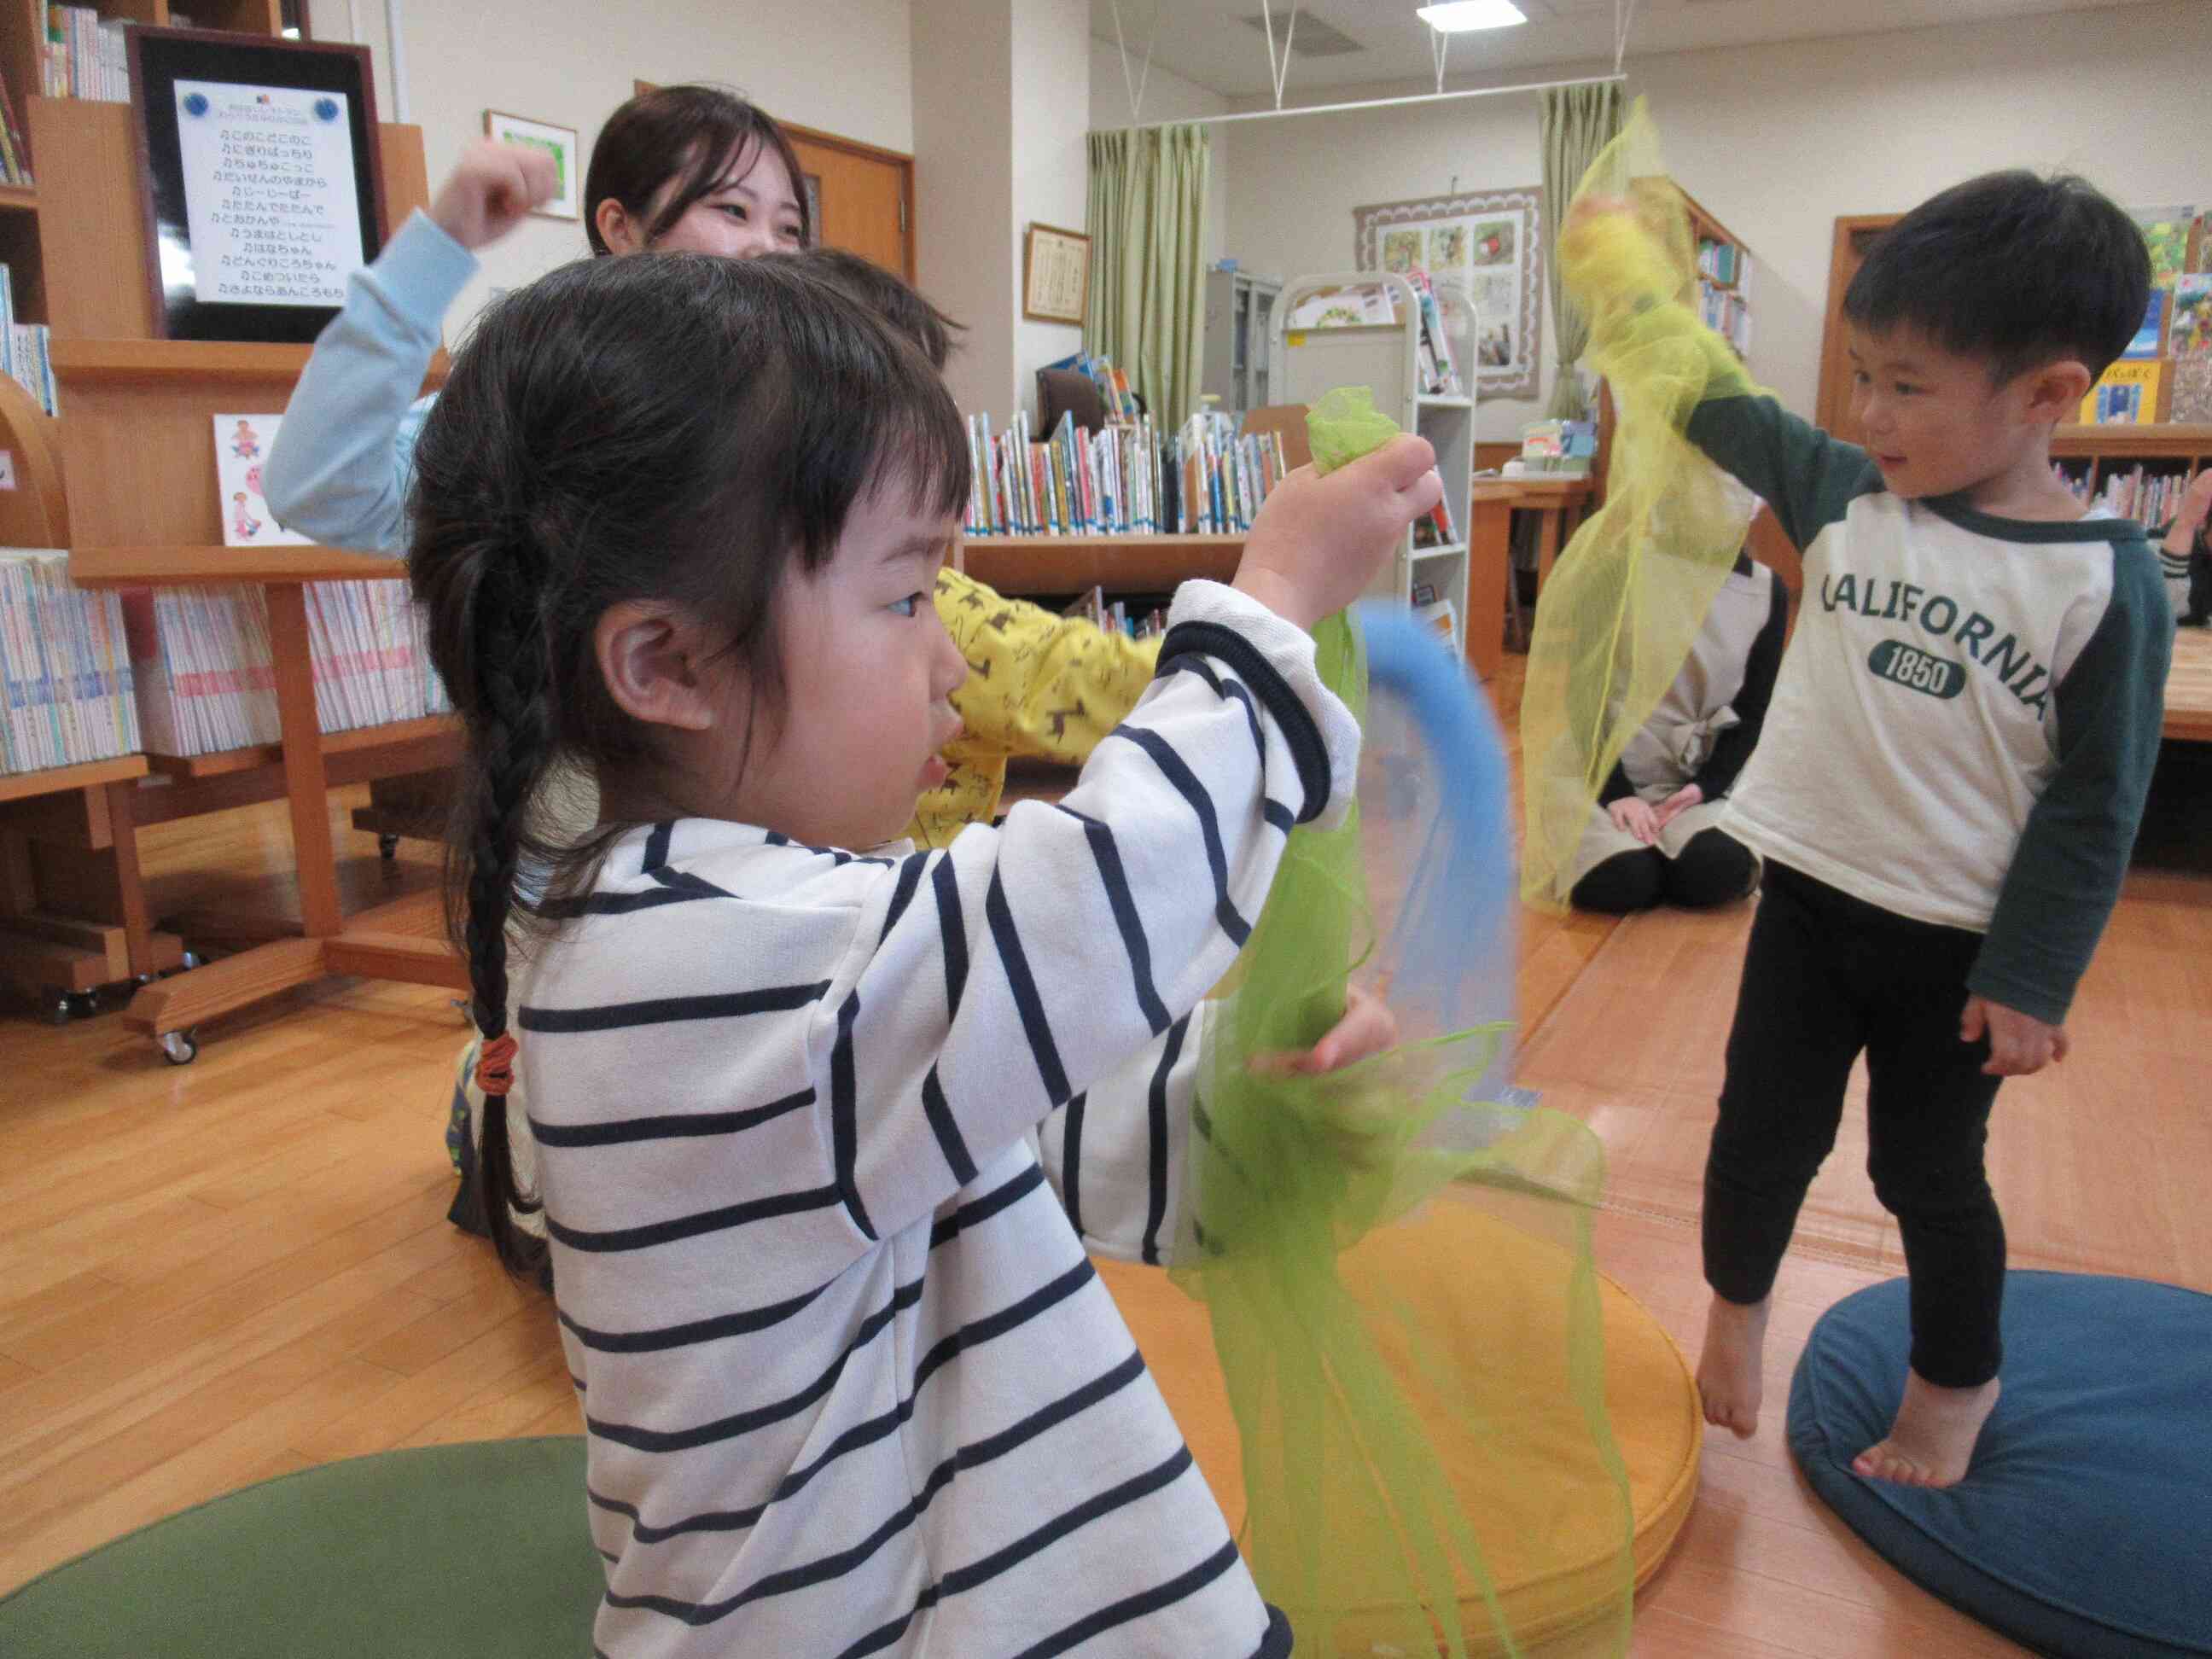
(822, 1141)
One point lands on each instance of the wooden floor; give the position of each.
(213, 1275)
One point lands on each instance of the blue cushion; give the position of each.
(2084, 1525)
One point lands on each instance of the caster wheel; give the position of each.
(57, 1008)
(190, 960)
(180, 1048)
(387, 847)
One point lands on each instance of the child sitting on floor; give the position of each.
(1655, 834)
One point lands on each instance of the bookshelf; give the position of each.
(1028, 566)
(136, 443)
(2089, 455)
(1386, 357)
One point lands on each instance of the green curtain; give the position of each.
(1578, 123)
(1147, 224)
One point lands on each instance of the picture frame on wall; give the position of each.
(560, 142)
(262, 180)
(1055, 275)
(1490, 244)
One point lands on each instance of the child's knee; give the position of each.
(1623, 883)
(1713, 868)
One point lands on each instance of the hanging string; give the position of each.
(1136, 90)
(1624, 19)
(1279, 72)
(1439, 49)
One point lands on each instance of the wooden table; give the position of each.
(1491, 504)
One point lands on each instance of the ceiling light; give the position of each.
(1457, 16)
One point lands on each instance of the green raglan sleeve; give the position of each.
(2065, 875)
(1807, 477)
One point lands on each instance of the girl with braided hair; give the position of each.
(813, 1112)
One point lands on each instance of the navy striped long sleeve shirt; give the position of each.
(804, 1123)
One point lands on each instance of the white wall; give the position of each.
(842, 66)
(1051, 163)
(963, 80)
(1777, 142)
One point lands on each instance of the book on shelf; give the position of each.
(1442, 616)
(66, 673)
(2140, 492)
(2150, 336)
(87, 56)
(26, 349)
(206, 682)
(1347, 304)
(1439, 371)
(2125, 394)
(1139, 621)
(1122, 480)
(14, 154)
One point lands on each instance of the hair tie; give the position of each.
(495, 1064)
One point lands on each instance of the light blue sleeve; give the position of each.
(339, 469)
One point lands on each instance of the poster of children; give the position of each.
(2191, 335)
(242, 448)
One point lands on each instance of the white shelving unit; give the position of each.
(1307, 362)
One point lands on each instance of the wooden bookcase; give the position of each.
(2096, 452)
(136, 451)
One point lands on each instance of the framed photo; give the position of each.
(559, 143)
(1489, 244)
(1055, 275)
(264, 183)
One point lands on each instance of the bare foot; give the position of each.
(1728, 1380)
(1932, 1441)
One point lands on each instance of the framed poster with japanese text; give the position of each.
(264, 191)
(1490, 243)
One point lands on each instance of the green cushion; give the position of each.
(478, 1551)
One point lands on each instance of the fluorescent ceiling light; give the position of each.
(1457, 16)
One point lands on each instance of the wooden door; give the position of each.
(862, 198)
(1854, 235)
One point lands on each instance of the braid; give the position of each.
(515, 746)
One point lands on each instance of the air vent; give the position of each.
(1311, 39)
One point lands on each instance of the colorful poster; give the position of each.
(1487, 246)
(2166, 233)
(2191, 333)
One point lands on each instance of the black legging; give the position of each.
(1713, 868)
(1825, 975)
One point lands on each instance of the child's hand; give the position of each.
(1633, 814)
(490, 190)
(1680, 802)
(1319, 541)
(2196, 503)
(2020, 1045)
(1368, 1028)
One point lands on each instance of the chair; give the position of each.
(35, 512)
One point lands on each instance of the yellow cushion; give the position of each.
(1544, 1512)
